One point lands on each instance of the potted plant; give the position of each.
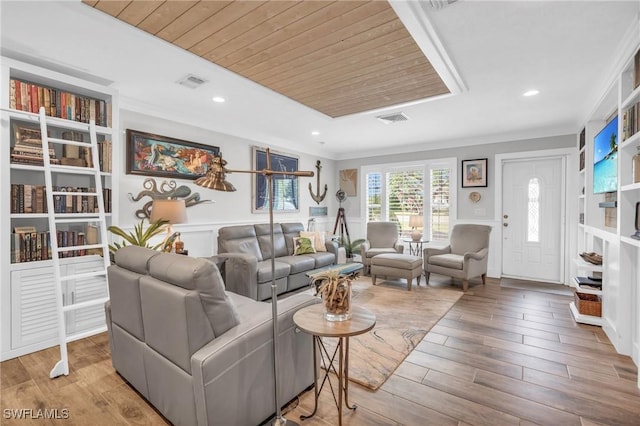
(351, 247)
(335, 290)
(139, 236)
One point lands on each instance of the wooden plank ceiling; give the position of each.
(337, 57)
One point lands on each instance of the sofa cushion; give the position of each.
(303, 245)
(135, 258)
(132, 263)
(239, 239)
(198, 274)
(175, 324)
(291, 230)
(300, 263)
(375, 251)
(323, 259)
(397, 261)
(469, 238)
(318, 239)
(282, 270)
(263, 231)
(449, 260)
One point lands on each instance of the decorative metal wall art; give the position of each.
(317, 197)
(168, 189)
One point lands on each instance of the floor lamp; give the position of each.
(216, 179)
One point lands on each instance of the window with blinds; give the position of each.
(405, 190)
(440, 203)
(396, 193)
(374, 197)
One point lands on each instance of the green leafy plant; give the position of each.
(139, 236)
(351, 247)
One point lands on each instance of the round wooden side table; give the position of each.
(311, 320)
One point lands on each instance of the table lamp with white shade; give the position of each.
(416, 223)
(171, 210)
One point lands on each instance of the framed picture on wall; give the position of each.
(155, 155)
(349, 182)
(474, 173)
(285, 188)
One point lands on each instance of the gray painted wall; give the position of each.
(229, 207)
(484, 209)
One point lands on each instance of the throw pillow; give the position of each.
(318, 239)
(302, 245)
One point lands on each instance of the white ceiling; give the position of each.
(499, 49)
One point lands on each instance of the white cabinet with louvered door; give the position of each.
(33, 313)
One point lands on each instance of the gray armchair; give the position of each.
(465, 257)
(382, 237)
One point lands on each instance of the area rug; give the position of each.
(403, 318)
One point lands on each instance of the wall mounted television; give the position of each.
(605, 158)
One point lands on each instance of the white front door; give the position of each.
(532, 212)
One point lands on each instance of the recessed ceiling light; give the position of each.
(218, 99)
(531, 92)
(315, 133)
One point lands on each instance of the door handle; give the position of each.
(505, 224)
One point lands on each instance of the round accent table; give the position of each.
(311, 320)
(415, 247)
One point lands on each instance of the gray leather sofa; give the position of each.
(199, 354)
(247, 249)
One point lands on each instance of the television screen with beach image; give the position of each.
(605, 159)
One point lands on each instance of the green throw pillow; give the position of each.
(303, 246)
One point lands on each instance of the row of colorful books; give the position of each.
(27, 149)
(32, 199)
(36, 245)
(26, 96)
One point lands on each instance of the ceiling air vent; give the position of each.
(191, 81)
(393, 118)
(438, 4)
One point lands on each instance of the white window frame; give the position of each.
(426, 166)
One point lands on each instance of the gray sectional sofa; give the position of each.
(247, 248)
(199, 354)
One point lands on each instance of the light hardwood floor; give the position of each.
(500, 356)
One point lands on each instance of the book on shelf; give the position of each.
(71, 151)
(30, 246)
(27, 148)
(636, 70)
(27, 96)
(24, 229)
(588, 283)
(630, 121)
(35, 245)
(27, 198)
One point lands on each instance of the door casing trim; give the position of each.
(500, 159)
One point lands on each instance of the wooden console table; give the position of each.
(311, 320)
